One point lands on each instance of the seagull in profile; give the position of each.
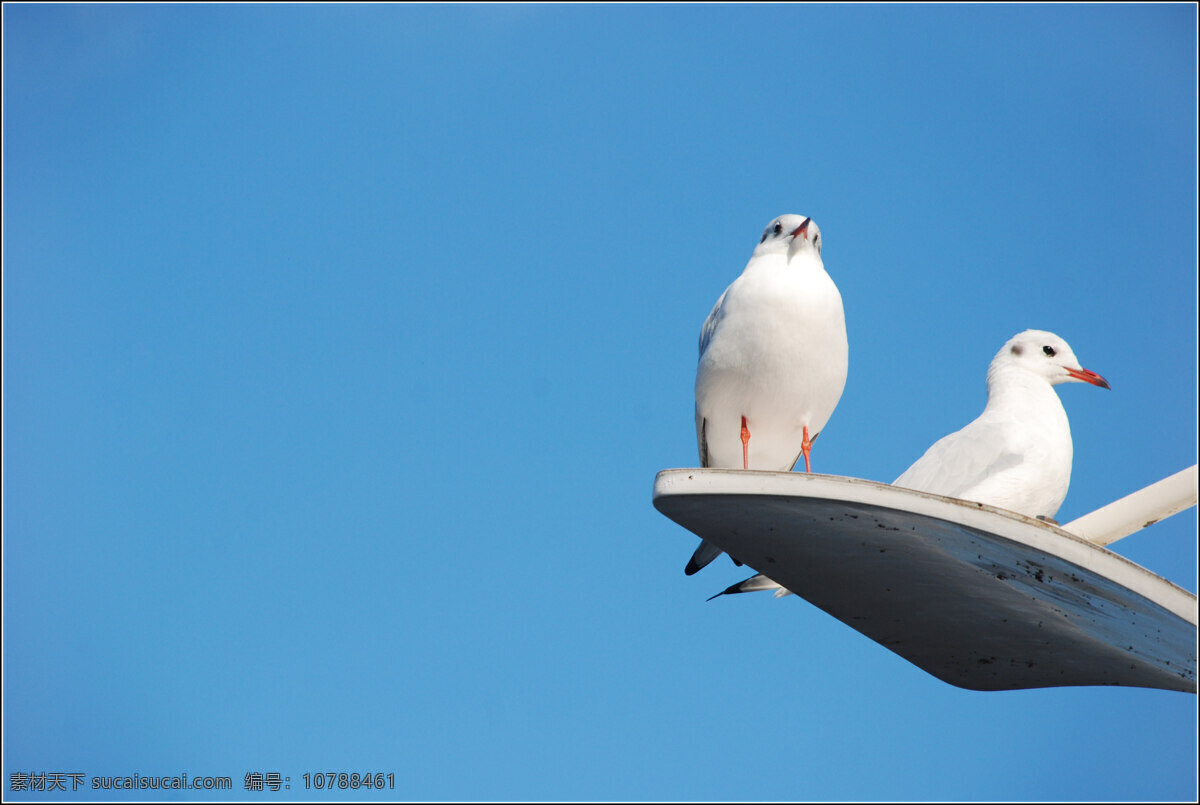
(773, 359)
(1017, 454)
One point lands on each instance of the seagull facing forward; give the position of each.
(1017, 454)
(773, 358)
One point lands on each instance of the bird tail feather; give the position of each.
(703, 555)
(754, 584)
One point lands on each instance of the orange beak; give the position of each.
(1088, 377)
(802, 229)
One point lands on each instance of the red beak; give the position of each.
(1088, 377)
(802, 229)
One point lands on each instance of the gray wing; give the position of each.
(706, 335)
(711, 323)
(958, 463)
(707, 551)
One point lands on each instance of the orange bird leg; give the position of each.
(745, 445)
(806, 448)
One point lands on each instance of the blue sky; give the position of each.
(342, 345)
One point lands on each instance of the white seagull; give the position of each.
(773, 358)
(1017, 454)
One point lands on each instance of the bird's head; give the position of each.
(790, 235)
(1046, 355)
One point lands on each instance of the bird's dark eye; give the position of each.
(778, 228)
(1049, 351)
